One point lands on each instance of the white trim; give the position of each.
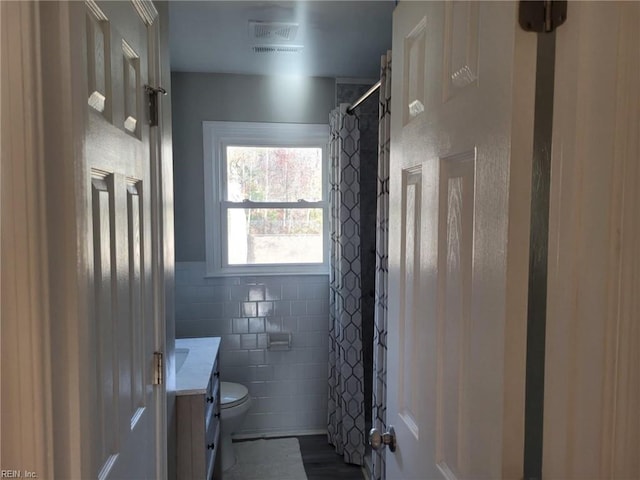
(166, 254)
(26, 359)
(161, 239)
(147, 11)
(216, 136)
(64, 118)
(96, 10)
(592, 368)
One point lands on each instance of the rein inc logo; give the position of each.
(18, 474)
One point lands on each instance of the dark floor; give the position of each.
(322, 463)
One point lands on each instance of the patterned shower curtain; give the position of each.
(346, 372)
(379, 414)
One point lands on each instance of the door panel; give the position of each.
(461, 41)
(98, 60)
(136, 295)
(462, 116)
(118, 157)
(106, 359)
(454, 329)
(409, 394)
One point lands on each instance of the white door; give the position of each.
(123, 330)
(461, 150)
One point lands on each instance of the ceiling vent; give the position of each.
(277, 48)
(273, 31)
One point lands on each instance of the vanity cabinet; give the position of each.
(198, 414)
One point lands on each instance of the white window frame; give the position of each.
(216, 137)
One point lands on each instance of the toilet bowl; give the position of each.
(234, 405)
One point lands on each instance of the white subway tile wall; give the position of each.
(288, 388)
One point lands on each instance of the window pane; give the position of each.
(274, 174)
(259, 236)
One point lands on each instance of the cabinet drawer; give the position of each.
(212, 401)
(215, 374)
(212, 443)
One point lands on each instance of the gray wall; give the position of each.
(197, 97)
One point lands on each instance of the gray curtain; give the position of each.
(346, 372)
(379, 414)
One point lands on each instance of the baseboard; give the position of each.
(278, 434)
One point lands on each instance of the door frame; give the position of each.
(25, 319)
(44, 414)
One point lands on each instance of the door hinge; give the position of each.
(153, 92)
(542, 16)
(158, 374)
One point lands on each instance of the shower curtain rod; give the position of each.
(366, 95)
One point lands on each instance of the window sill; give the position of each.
(323, 271)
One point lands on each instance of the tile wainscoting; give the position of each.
(288, 388)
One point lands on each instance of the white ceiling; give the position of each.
(340, 38)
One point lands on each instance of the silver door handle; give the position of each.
(379, 440)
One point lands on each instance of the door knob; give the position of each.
(378, 440)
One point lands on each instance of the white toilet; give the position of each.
(234, 405)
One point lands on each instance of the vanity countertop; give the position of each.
(193, 376)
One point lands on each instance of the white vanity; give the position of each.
(198, 407)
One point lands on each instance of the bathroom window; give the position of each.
(266, 198)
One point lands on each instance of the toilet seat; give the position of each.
(232, 394)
